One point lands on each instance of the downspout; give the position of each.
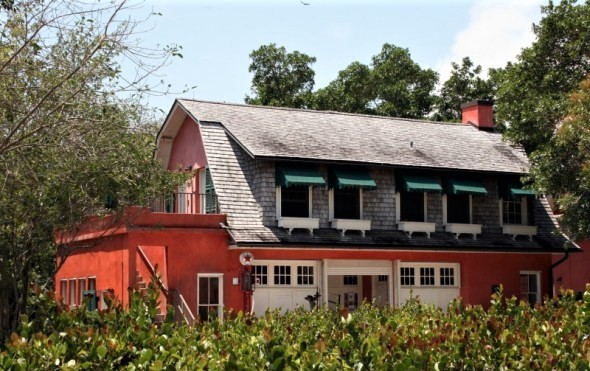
(553, 266)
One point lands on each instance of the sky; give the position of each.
(218, 36)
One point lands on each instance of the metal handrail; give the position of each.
(182, 308)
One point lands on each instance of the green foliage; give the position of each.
(509, 335)
(464, 85)
(532, 93)
(67, 140)
(280, 78)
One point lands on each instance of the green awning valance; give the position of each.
(411, 183)
(351, 178)
(289, 176)
(517, 190)
(462, 186)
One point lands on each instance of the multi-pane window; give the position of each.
(295, 201)
(458, 208)
(282, 274)
(350, 280)
(512, 211)
(407, 276)
(260, 273)
(209, 297)
(347, 203)
(529, 287)
(382, 278)
(426, 276)
(305, 275)
(447, 276)
(412, 206)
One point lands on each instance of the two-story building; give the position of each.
(345, 206)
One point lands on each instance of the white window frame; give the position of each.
(63, 287)
(437, 281)
(278, 201)
(72, 292)
(293, 264)
(220, 305)
(537, 275)
(268, 275)
(523, 211)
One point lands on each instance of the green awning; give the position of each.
(462, 186)
(517, 190)
(289, 176)
(351, 178)
(410, 183)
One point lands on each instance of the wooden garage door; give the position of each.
(432, 283)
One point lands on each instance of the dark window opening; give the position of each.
(295, 201)
(412, 206)
(458, 209)
(347, 203)
(511, 211)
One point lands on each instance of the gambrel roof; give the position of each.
(270, 132)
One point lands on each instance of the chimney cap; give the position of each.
(476, 102)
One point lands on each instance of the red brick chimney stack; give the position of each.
(478, 113)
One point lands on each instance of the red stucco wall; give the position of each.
(187, 148)
(573, 273)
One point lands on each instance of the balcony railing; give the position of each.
(186, 203)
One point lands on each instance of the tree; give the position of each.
(352, 91)
(403, 88)
(67, 139)
(562, 167)
(532, 93)
(281, 78)
(463, 85)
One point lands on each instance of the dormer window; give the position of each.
(458, 206)
(517, 211)
(346, 198)
(294, 196)
(412, 201)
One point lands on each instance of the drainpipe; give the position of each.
(553, 266)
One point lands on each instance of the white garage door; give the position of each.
(432, 283)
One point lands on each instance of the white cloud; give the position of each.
(494, 34)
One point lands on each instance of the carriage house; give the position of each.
(333, 207)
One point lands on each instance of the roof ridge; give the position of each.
(327, 112)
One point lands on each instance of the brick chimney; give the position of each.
(478, 113)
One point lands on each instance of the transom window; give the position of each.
(350, 280)
(347, 203)
(407, 276)
(305, 275)
(382, 278)
(295, 201)
(260, 273)
(282, 275)
(429, 275)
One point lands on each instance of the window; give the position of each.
(512, 211)
(530, 287)
(426, 276)
(260, 273)
(210, 294)
(92, 283)
(63, 291)
(305, 275)
(412, 206)
(347, 203)
(73, 293)
(429, 274)
(382, 278)
(447, 276)
(350, 280)
(351, 300)
(81, 289)
(458, 208)
(282, 275)
(295, 201)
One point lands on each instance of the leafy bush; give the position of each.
(508, 335)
